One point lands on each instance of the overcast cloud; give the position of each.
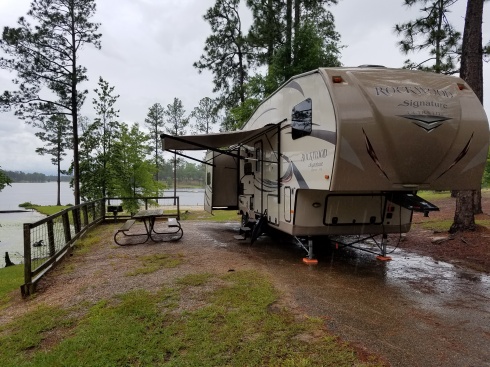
(149, 46)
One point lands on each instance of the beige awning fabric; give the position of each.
(212, 141)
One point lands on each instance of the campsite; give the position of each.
(415, 310)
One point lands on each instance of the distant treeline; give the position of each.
(18, 176)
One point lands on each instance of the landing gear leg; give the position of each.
(383, 256)
(310, 260)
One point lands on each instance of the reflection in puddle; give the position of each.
(418, 277)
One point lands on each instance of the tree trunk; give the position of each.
(296, 25)
(270, 40)
(289, 36)
(472, 50)
(74, 111)
(58, 182)
(477, 208)
(464, 219)
(472, 72)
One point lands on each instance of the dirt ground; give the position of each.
(416, 310)
(471, 249)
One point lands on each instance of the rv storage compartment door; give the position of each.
(354, 209)
(221, 182)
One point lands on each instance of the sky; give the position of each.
(149, 46)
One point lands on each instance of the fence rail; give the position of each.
(49, 240)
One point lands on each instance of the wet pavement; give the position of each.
(412, 311)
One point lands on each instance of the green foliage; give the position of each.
(96, 145)
(132, 170)
(239, 115)
(434, 33)
(272, 42)
(206, 115)
(18, 176)
(225, 52)
(486, 173)
(4, 180)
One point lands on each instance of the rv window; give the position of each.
(208, 178)
(301, 119)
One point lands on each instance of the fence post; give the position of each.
(66, 227)
(85, 215)
(76, 220)
(26, 288)
(52, 247)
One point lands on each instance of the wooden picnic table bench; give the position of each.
(148, 217)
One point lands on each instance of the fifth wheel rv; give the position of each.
(343, 151)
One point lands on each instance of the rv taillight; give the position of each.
(337, 79)
(461, 86)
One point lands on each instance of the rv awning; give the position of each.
(213, 141)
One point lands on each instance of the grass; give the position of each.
(444, 225)
(11, 278)
(238, 323)
(434, 195)
(50, 209)
(44, 209)
(217, 216)
(152, 263)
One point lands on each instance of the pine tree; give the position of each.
(154, 122)
(175, 124)
(44, 56)
(97, 143)
(56, 135)
(432, 32)
(472, 73)
(225, 53)
(205, 116)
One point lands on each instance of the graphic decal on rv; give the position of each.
(296, 86)
(426, 122)
(263, 113)
(460, 155)
(330, 136)
(291, 171)
(372, 154)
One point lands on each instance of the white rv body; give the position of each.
(344, 150)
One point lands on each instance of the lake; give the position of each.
(11, 232)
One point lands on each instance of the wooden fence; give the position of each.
(49, 240)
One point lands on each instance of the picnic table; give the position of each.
(171, 232)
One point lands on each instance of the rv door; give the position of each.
(221, 182)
